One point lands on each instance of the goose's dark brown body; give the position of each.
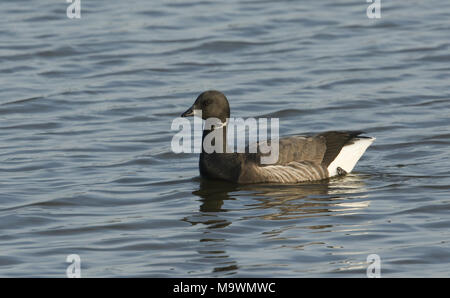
(300, 159)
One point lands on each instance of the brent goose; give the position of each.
(300, 159)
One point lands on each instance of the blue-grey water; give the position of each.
(86, 165)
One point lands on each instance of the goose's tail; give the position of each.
(349, 155)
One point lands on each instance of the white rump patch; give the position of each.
(349, 155)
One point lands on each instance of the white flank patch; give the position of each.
(349, 155)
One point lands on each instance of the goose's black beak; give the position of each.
(189, 112)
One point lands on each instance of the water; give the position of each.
(86, 166)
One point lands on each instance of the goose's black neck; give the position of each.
(219, 135)
(224, 166)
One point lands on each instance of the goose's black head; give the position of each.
(212, 104)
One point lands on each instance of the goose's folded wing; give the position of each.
(321, 149)
(298, 148)
(302, 158)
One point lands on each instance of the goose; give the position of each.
(300, 158)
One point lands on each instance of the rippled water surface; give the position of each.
(86, 165)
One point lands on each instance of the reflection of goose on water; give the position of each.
(338, 196)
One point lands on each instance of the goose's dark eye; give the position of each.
(206, 102)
